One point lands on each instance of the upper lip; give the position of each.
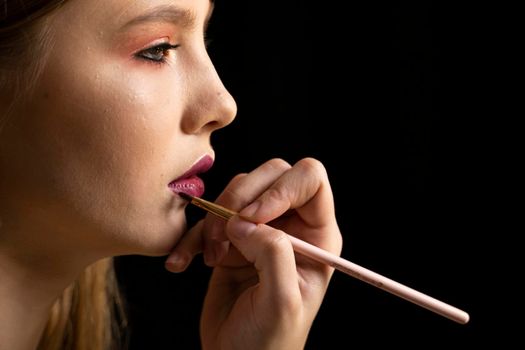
(201, 166)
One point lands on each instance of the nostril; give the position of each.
(214, 125)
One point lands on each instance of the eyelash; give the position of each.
(156, 54)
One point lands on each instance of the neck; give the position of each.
(30, 282)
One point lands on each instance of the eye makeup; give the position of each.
(157, 53)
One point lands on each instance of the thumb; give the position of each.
(272, 254)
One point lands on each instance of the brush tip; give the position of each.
(185, 196)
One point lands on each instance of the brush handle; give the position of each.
(379, 281)
(350, 268)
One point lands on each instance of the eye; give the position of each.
(157, 53)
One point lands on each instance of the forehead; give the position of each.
(120, 14)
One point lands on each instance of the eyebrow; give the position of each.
(169, 13)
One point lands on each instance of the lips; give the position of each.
(190, 183)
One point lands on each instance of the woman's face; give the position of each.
(125, 105)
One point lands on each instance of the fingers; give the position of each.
(305, 188)
(272, 254)
(241, 191)
(184, 252)
(273, 189)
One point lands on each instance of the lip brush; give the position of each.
(350, 268)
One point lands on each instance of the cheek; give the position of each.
(111, 121)
(101, 139)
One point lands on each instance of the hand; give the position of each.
(261, 295)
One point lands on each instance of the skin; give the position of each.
(86, 159)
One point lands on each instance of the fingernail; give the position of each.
(242, 228)
(250, 210)
(176, 262)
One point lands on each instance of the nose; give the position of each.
(210, 105)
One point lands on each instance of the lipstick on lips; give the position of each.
(190, 183)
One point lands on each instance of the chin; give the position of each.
(161, 241)
(141, 230)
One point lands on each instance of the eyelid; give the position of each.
(151, 44)
(157, 54)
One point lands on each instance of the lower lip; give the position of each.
(193, 185)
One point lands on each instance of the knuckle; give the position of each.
(278, 164)
(237, 178)
(288, 309)
(312, 166)
(276, 194)
(290, 305)
(276, 243)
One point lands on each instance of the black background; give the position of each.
(386, 95)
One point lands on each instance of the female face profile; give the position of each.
(124, 105)
(106, 111)
(106, 114)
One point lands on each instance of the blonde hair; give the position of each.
(89, 313)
